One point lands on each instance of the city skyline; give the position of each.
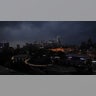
(71, 32)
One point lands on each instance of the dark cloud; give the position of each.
(69, 31)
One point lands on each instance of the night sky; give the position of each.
(71, 32)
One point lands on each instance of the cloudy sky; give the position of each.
(69, 31)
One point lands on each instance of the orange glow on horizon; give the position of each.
(58, 49)
(61, 49)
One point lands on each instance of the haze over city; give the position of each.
(71, 32)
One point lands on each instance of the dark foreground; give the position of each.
(53, 70)
(8, 71)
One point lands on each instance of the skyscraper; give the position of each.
(1, 45)
(6, 45)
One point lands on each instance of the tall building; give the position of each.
(6, 45)
(18, 46)
(89, 42)
(1, 45)
(58, 41)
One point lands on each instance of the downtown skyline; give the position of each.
(70, 32)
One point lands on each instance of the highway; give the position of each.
(50, 68)
(35, 65)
